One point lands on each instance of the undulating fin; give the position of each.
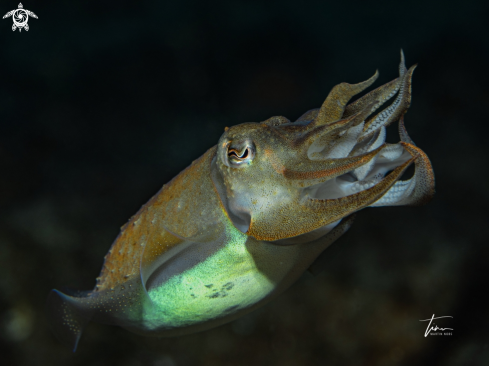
(320, 263)
(67, 316)
(334, 105)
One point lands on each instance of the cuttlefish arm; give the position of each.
(417, 190)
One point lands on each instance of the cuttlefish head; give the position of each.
(279, 179)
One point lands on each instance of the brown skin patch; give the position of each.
(185, 208)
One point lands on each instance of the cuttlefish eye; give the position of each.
(239, 153)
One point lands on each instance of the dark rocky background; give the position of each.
(102, 103)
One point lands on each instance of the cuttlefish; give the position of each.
(246, 219)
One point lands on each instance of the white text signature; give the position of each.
(435, 328)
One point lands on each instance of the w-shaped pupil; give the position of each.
(235, 153)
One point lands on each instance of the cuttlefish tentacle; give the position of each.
(403, 134)
(425, 179)
(395, 110)
(334, 106)
(322, 141)
(353, 201)
(366, 145)
(313, 172)
(382, 94)
(377, 140)
(415, 191)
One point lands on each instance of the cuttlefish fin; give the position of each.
(68, 317)
(323, 259)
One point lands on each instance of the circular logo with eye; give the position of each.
(20, 17)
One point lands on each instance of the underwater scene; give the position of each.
(244, 183)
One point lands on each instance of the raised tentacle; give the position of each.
(403, 134)
(334, 105)
(382, 94)
(395, 110)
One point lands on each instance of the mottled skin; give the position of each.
(244, 221)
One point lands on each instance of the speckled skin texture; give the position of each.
(245, 220)
(185, 208)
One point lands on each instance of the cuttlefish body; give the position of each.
(245, 220)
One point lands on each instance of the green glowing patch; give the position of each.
(224, 283)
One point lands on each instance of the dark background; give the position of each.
(102, 103)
